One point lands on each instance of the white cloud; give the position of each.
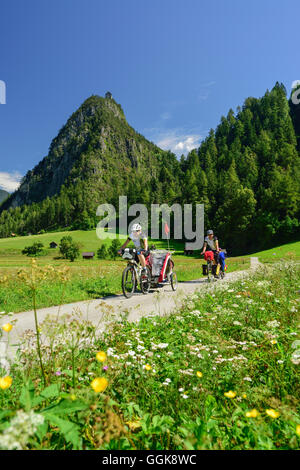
(178, 142)
(10, 181)
(295, 84)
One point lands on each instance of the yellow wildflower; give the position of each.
(252, 414)
(199, 374)
(5, 382)
(147, 367)
(99, 384)
(273, 341)
(73, 397)
(230, 394)
(7, 327)
(244, 395)
(298, 429)
(101, 356)
(272, 413)
(134, 425)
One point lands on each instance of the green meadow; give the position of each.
(89, 279)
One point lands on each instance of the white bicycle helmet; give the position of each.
(136, 227)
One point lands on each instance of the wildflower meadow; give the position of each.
(221, 372)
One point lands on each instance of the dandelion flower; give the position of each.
(101, 356)
(5, 382)
(273, 341)
(272, 413)
(298, 429)
(73, 397)
(244, 395)
(230, 394)
(99, 384)
(252, 414)
(7, 327)
(147, 367)
(199, 374)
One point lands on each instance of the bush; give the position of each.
(37, 249)
(102, 252)
(68, 248)
(114, 248)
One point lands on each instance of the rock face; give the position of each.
(3, 195)
(96, 147)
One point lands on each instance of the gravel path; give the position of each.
(160, 301)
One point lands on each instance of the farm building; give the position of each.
(53, 245)
(88, 255)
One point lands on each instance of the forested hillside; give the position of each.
(3, 195)
(247, 172)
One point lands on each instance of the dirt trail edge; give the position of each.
(160, 302)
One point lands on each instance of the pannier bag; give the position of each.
(129, 253)
(204, 269)
(209, 255)
(157, 260)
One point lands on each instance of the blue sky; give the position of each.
(175, 66)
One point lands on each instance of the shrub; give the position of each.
(102, 252)
(68, 248)
(114, 247)
(37, 249)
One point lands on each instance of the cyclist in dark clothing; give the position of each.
(211, 243)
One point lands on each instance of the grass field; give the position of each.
(89, 279)
(221, 373)
(289, 251)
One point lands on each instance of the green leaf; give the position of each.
(5, 414)
(42, 430)
(27, 394)
(51, 391)
(69, 430)
(66, 407)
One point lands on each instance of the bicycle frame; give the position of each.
(137, 268)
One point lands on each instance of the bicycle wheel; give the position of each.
(174, 280)
(145, 281)
(128, 281)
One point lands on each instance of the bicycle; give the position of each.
(210, 269)
(134, 274)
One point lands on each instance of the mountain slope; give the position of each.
(97, 150)
(3, 195)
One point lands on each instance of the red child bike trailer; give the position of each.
(161, 268)
(160, 271)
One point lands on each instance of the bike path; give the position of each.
(159, 301)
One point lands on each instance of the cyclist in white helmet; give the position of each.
(136, 236)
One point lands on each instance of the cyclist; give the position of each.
(136, 236)
(211, 242)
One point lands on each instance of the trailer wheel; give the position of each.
(174, 280)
